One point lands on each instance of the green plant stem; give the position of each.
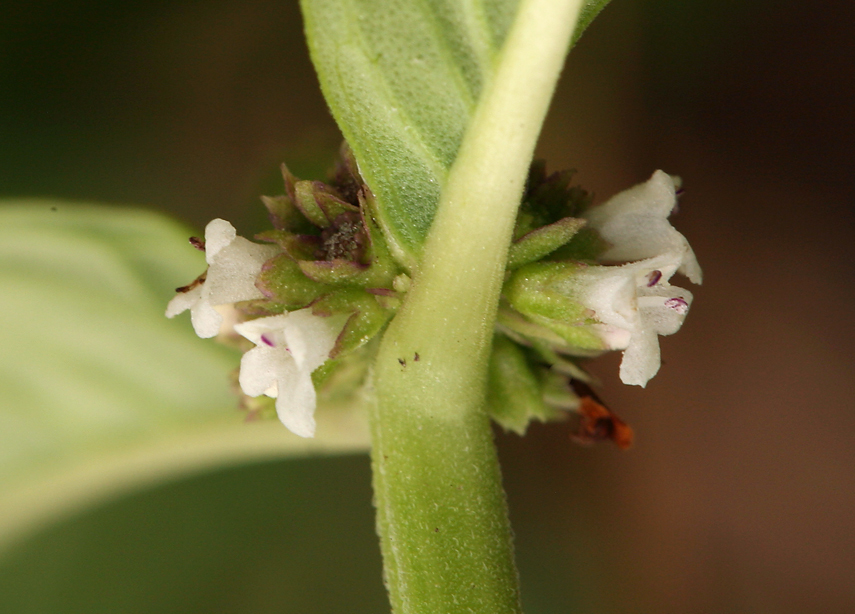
(442, 516)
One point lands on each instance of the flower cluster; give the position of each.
(603, 284)
(625, 300)
(318, 289)
(580, 280)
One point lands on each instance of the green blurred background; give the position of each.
(738, 494)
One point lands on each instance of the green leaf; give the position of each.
(403, 79)
(99, 392)
(222, 542)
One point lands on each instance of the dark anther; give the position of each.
(653, 278)
(195, 283)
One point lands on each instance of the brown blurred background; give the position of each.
(739, 493)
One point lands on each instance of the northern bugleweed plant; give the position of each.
(438, 279)
(442, 277)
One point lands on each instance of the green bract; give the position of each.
(334, 257)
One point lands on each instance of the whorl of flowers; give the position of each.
(309, 299)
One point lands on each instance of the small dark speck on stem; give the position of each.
(402, 362)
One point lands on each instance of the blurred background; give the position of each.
(739, 493)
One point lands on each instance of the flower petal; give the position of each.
(296, 403)
(641, 359)
(690, 266)
(310, 338)
(218, 234)
(233, 271)
(635, 223)
(609, 291)
(183, 301)
(255, 329)
(205, 319)
(262, 368)
(664, 308)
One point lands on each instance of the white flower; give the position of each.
(635, 303)
(288, 348)
(233, 266)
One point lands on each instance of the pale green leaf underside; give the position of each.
(98, 390)
(403, 78)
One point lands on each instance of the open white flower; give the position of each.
(288, 348)
(233, 266)
(623, 304)
(635, 302)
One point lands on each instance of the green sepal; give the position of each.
(557, 393)
(336, 272)
(514, 396)
(284, 214)
(345, 273)
(257, 308)
(290, 183)
(330, 203)
(305, 200)
(541, 242)
(522, 330)
(367, 317)
(561, 364)
(319, 203)
(283, 211)
(576, 335)
(281, 281)
(529, 292)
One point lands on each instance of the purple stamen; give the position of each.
(677, 304)
(268, 341)
(653, 278)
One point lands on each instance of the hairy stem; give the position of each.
(442, 517)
